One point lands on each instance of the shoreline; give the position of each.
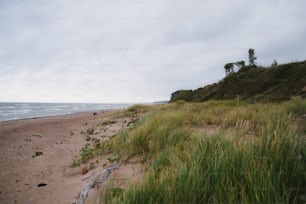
(37, 151)
(60, 115)
(16, 111)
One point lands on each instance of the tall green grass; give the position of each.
(159, 131)
(267, 166)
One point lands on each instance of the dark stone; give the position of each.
(38, 154)
(42, 185)
(84, 170)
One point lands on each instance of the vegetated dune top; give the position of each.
(253, 83)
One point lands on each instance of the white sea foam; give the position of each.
(13, 111)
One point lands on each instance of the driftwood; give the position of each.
(98, 182)
(106, 172)
(85, 191)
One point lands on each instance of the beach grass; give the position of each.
(216, 152)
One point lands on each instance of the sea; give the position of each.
(16, 111)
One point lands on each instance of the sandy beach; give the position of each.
(39, 151)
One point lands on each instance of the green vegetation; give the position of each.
(229, 67)
(117, 145)
(76, 163)
(252, 57)
(215, 152)
(274, 64)
(136, 109)
(273, 84)
(222, 150)
(107, 122)
(89, 131)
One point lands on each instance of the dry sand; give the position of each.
(60, 141)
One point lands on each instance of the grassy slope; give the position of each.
(253, 83)
(255, 153)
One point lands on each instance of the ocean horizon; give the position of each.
(26, 110)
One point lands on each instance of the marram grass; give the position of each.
(263, 162)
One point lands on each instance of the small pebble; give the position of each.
(42, 185)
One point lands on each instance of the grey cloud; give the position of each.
(137, 50)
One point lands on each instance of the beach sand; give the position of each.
(59, 140)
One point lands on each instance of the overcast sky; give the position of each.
(137, 50)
